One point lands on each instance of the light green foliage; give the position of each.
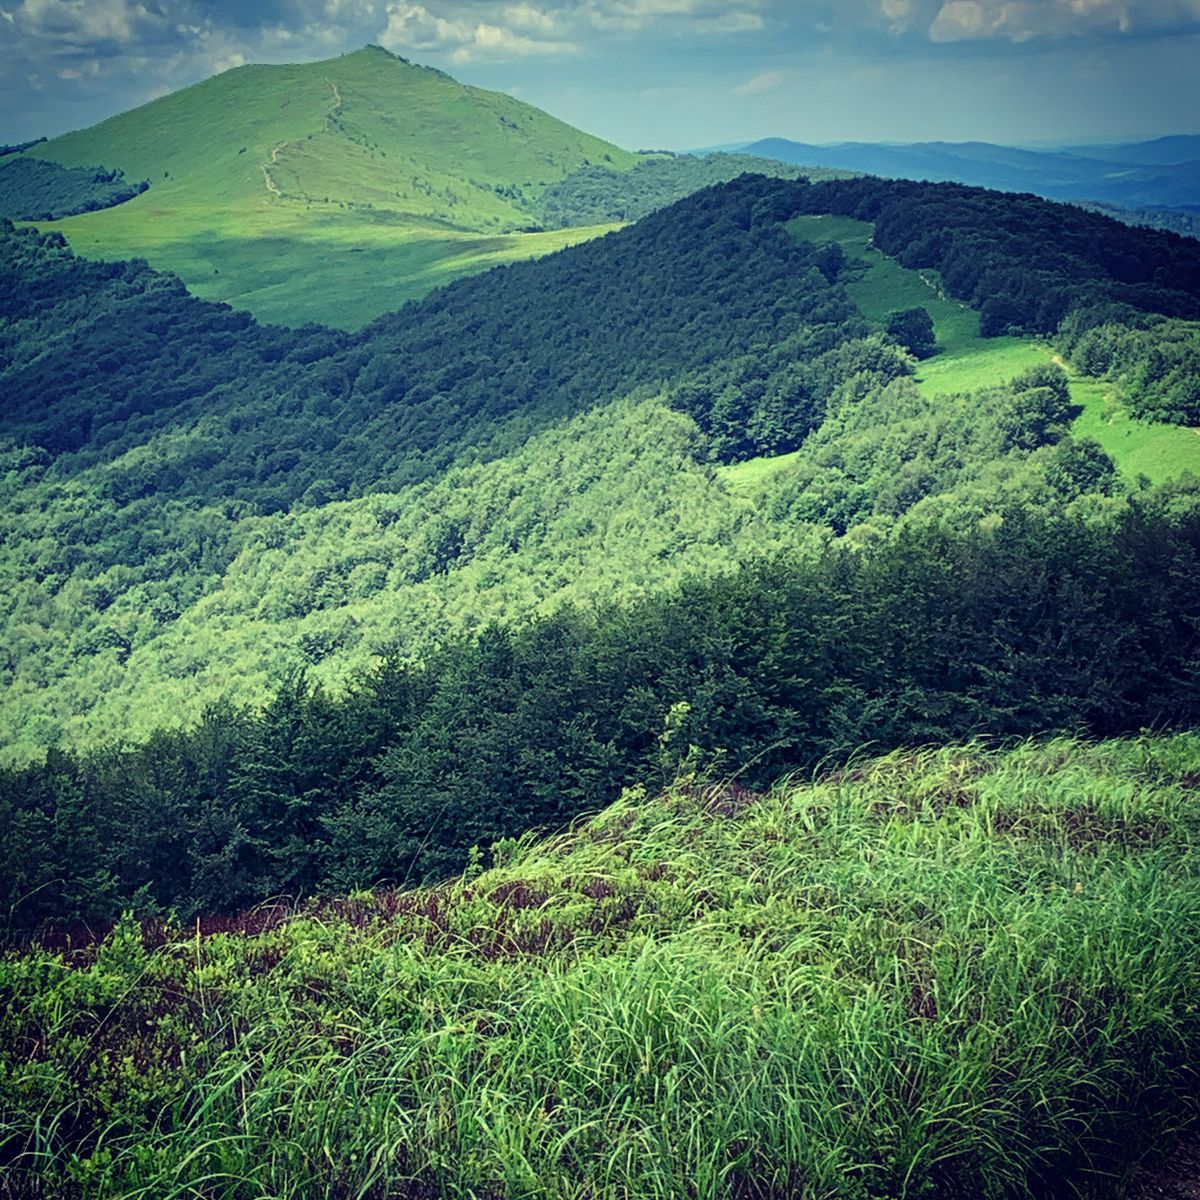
(330, 191)
(611, 503)
(894, 454)
(1154, 361)
(950, 972)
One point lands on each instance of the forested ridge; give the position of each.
(1023, 262)
(99, 358)
(1027, 623)
(415, 390)
(201, 507)
(32, 189)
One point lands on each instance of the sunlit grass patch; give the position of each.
(946, 973)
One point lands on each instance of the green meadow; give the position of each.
(354, 265)
(966, 361)
(1148, 448)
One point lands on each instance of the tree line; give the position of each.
(35, 189)
(1027, 623)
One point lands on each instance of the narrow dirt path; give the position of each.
(272, 186)
(335, 109)
(331, 118)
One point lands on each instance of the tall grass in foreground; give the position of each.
(941, 973)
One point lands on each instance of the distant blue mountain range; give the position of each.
(1163, 173)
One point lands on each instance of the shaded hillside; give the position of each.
(34, 189)
(1178, 220)
(1163, 151)
(332, 190)
(86, 353)
(594, 195)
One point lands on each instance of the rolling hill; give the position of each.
(312, 634)
(329, 191)
(1172, 150)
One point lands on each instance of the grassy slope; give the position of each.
(967, 361)
(1141, 447)
(948, 972)
(329, 191)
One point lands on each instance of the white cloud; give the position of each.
(166, 44)
(898, 13)
(492, 29)
(1024, 20)
(768, 81)
(412, 26)
(694, 16)
(738, 21)
(496, 41)
(526, 16)
(89, 69)
(85, 22)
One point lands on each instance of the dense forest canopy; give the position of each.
(198, 501)
(781, 665)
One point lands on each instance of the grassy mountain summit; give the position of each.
(367, 129)
(366, 176)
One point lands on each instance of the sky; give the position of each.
(650, 74)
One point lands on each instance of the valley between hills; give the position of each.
(537, 670)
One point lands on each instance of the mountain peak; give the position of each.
(374, 48)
